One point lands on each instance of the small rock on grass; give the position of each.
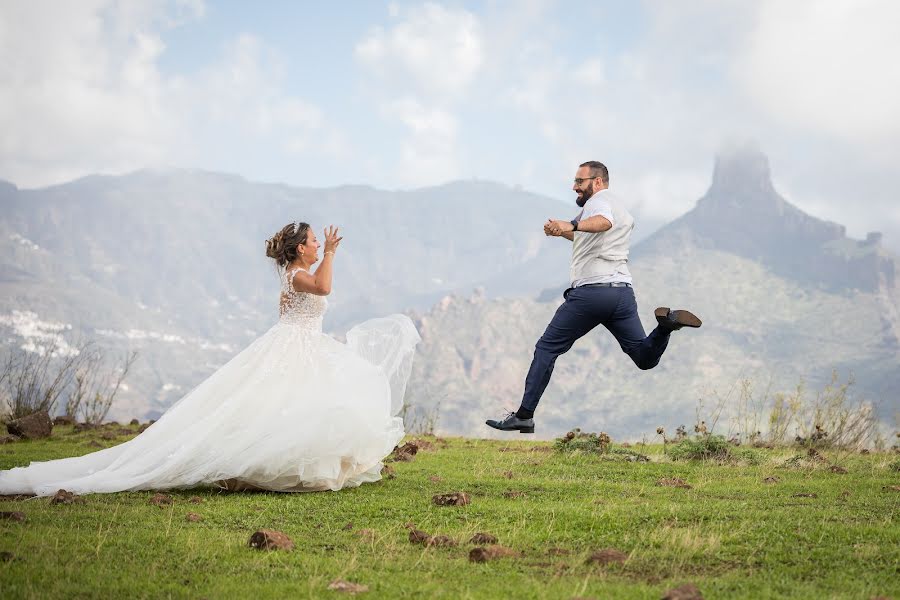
(339, 585)
(65, 497)
(771, 479)
(688, 591)
(485, 554)
(161, 500)
(15, 515)
(195, 500)
(193, 517)
(452, 499)
(269, 539)
(7, 556)
(483, 538)
(607, 556)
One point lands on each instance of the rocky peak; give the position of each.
(743, 169)
(743, 214)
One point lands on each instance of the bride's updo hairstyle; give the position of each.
(283, 245)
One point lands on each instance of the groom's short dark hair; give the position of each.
(598, 169)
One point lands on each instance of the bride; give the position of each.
(294, 411)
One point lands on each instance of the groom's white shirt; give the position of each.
(602, 257)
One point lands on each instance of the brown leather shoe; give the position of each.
(673, 320)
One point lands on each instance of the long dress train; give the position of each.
(294, 411)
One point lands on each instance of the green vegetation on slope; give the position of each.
(734, 530)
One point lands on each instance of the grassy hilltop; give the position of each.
(770, 523)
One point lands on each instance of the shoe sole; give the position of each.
(684, 318)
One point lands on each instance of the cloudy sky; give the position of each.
(406, 94)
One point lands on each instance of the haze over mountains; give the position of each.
(171, 263)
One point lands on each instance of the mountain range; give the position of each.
(171, 263)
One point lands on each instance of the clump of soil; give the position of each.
(485, 554)
(452, 499)
(269, 539)
(483, 539)
(673, 482)
(161, 500)
(64, 497)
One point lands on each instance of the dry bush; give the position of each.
(831, 419)
(34, 381)
(94, 387)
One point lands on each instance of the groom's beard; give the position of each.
(585, 196)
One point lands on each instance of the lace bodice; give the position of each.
(300, 308)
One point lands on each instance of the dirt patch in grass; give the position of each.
(607, 556)
(673, 482)
(339, 585)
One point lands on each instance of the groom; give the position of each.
(600, 293)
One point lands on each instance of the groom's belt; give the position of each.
(610, 284)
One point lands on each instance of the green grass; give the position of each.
(731, 534)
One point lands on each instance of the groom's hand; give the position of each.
(557, 227)
(547, 229)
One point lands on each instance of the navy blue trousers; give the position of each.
(584, 308)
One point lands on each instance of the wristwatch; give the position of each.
(574, 224)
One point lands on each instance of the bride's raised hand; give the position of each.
(332, 241)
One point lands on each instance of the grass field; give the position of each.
(808, 533)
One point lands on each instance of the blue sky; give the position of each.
(407, 94)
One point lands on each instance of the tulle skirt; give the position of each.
(294, 411)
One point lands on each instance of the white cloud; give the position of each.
(827, 67)
(82, 91)
(420, 69)
(431, 50)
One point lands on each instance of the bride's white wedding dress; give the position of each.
(295, 411)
